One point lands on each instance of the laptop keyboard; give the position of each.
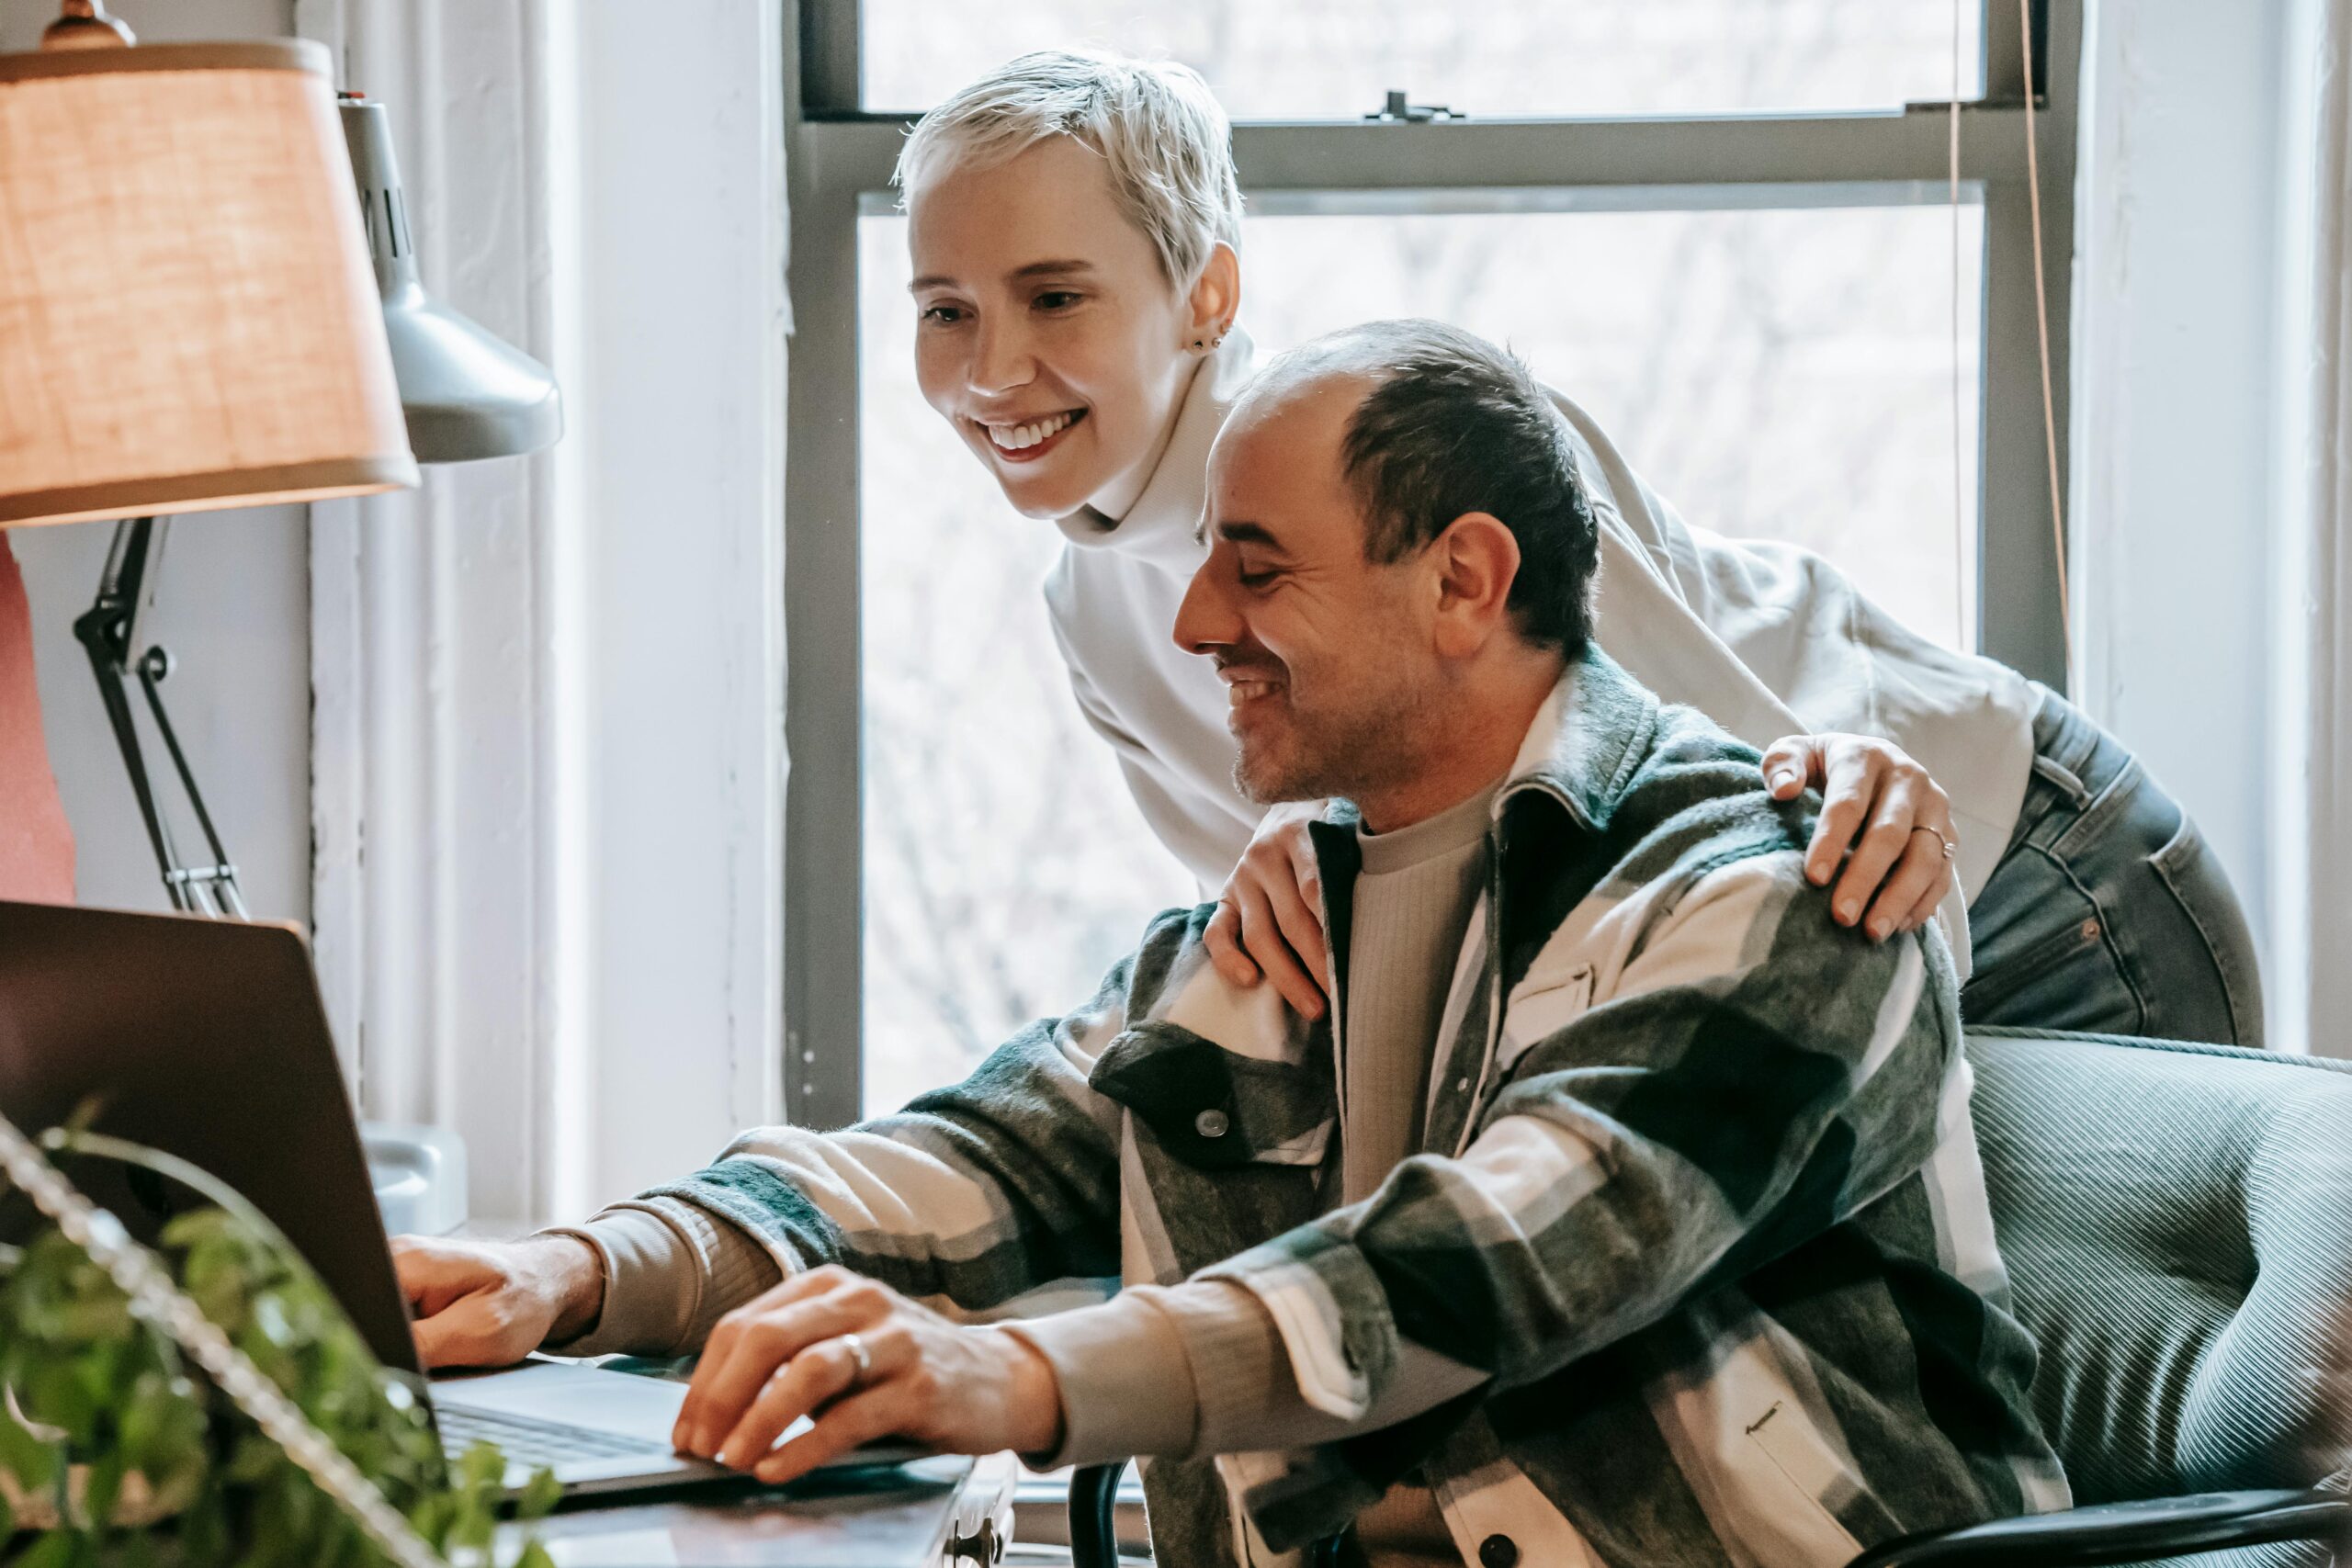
(534, 1443)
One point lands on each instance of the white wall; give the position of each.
(683, 320)
(549, 691)
(235, 610)
(2181, 225)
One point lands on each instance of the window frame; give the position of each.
(838, 161)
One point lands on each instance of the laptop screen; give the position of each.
(204, 1039)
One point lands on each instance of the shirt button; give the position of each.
(1498, 1551)
(1211, 1123)
(1461, 1086)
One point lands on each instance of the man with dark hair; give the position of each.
(1623, 1208)
(1453, 425)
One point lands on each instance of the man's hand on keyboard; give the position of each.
(866, 1363)
(492, 1303)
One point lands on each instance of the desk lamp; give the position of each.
(187, 323)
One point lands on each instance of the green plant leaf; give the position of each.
(59, 1395)
(539, 1495)
(481, 1465)
(254, 1459)
(55, 1549)
(477, 1524)
(432, 1519)
(31, 1461)
(104, 1486)
(135, 1549)
(204, 1528)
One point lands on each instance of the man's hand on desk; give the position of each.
(480, 1303)
(954, 1387)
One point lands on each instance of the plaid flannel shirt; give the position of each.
(1698, 1194)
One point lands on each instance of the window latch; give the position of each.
(1396, 111)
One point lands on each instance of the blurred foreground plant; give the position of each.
(115, 1450)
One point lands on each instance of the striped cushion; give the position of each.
(2177, 1221)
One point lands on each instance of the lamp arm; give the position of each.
(108, 631)
(217, 882)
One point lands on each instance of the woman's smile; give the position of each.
(1025, 441)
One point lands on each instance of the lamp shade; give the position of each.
(188, 316)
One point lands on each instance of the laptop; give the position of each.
(206, 1039)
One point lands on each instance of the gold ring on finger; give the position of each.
(1950, 849)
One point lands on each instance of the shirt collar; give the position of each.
(1159, 527)
(1587, 739)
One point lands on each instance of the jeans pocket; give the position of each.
(1994, 987)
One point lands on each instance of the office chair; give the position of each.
(2176, 1220)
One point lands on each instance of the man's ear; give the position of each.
(1475, 560)
(1216, 296)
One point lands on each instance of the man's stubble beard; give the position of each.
(1381, 738)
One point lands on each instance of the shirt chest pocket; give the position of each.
(1541, 1005)
(1214, 1109)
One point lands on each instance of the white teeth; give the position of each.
(1245, 691)
(1020, 437)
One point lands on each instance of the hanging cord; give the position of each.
(157, 1301)
(2042, 316)
(1959, 452)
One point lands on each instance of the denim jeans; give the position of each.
(2108, 912)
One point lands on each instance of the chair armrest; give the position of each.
(1093, 1516)
(1093, 1521)
(2114, 1533)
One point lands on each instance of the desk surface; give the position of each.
(902, 1517)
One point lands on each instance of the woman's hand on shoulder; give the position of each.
(1882, 816)
(1269, 919)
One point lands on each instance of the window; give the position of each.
(1334, 59)
(1761, 288)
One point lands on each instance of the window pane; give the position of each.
(1774, 374)
(1336, 59)
(1780, 374)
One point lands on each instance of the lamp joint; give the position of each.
(84, 24)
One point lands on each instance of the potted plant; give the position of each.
(208, 1402)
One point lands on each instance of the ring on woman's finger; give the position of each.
(1950, 849)
(862, 1357)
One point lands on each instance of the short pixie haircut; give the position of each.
(1162, 134)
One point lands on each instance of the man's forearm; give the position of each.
(663, 1274)
(1199, 1369)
